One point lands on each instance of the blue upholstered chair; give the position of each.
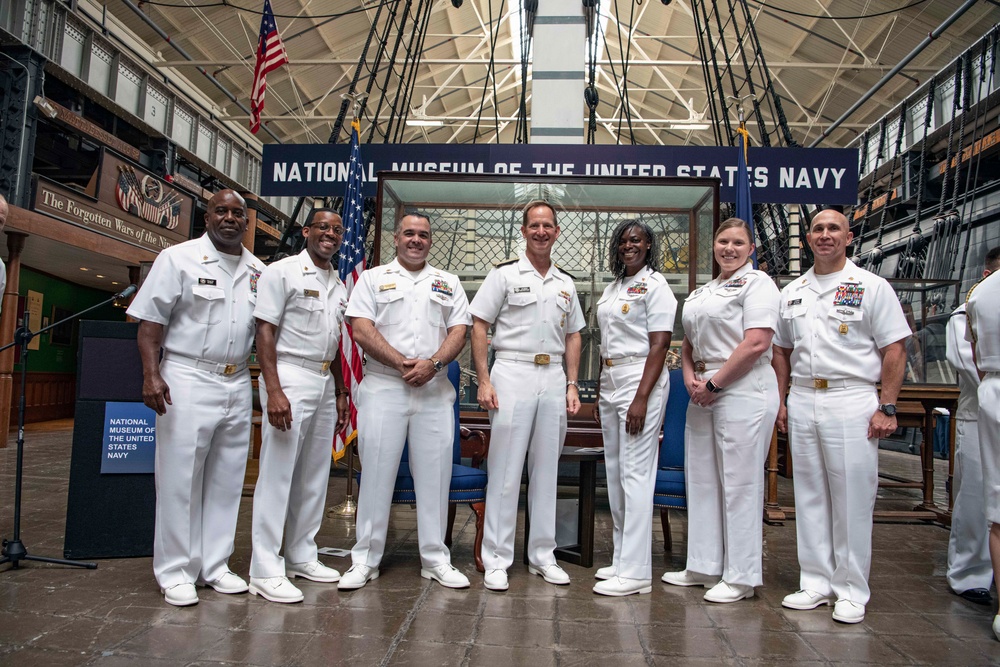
(468, 484)
(670, 490)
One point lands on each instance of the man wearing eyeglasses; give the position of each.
(300, 307)
(197, 306)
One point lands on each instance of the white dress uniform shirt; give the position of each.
(206, 309)
(726, 442)
(627, 313)
(983, 309)
(413, 312)
(968, 544)
(835, 325)
(290, 494)
(531, 314)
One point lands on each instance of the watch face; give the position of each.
(888, 410)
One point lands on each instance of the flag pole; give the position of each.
(349, 508)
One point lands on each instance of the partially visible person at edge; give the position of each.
(841, 330)
(636, 318)
(532, 306)
(983, 310)
(728, 326)
(197, 305)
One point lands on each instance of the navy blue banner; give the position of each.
(777, 175)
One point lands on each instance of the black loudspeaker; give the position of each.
(107, 516)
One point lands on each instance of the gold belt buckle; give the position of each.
(542, 359)
(820, 383)
(609, 362)
(229, 369)
(326, 366)
(699, 367)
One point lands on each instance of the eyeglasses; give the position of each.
(322, 228)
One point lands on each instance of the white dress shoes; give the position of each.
(228, 584)
(725, 592)
(805, 599)
(620, 586)
(550, 573)
(275, 589)
(180, 595)
(314, 571)
(356, 577)
(846, 611)
(445, 574)
(496, 580)
(605, 572)
(688, 578)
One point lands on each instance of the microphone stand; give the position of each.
(14, 550)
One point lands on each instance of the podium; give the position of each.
(107, 516)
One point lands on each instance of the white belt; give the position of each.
(321, 367)
(372, 366)
(703, 366)
(537, 359)
(622, 361)
(820, 383)
(203, 365)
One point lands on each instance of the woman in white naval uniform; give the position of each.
(636, 317)
(728, 325)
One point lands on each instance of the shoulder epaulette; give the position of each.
(974, 286)
(507, 262)
(572, 277)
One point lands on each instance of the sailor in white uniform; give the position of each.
(636, 317)
(841, 329)
(970, 572)
(728, 325)
(300, 307)
(983, 309)
(197, 305)
(410, 319)
(536, 318)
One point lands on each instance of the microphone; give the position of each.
(127, 292)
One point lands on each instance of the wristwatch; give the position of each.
(572, 383)
(712, 387)
(437, 364)
(888, 409)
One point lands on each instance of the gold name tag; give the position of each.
(312, 292)
(386, 287)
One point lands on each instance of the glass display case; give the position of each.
(476, 224)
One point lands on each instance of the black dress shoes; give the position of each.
(977, 596)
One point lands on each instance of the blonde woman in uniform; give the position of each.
(636, 316)
(728, 325)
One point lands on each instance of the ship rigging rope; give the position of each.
(871, 189)
(491, 75)
(625, 110)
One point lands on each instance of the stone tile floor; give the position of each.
(114, 615)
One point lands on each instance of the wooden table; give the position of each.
(915, 405)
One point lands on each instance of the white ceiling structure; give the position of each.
(820, 56)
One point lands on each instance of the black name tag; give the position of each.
(206, 281)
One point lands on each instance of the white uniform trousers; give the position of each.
(631, 463)
(989, 443)
(201, 455)
(725, 446)
(835, 482)
(391, 414)
(529, 424)
(968, 542)
(294, 472)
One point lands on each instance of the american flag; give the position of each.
(744, 204)
(350, 266)
(270, 56)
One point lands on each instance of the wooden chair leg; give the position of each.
(668, 542)
(480, 510)
(451, 522)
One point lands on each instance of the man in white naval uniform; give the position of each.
(197, 305)
(300, 307)
(410, 319)
(983, 310)
(970, 572)
(840, 330)
(536, 318)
